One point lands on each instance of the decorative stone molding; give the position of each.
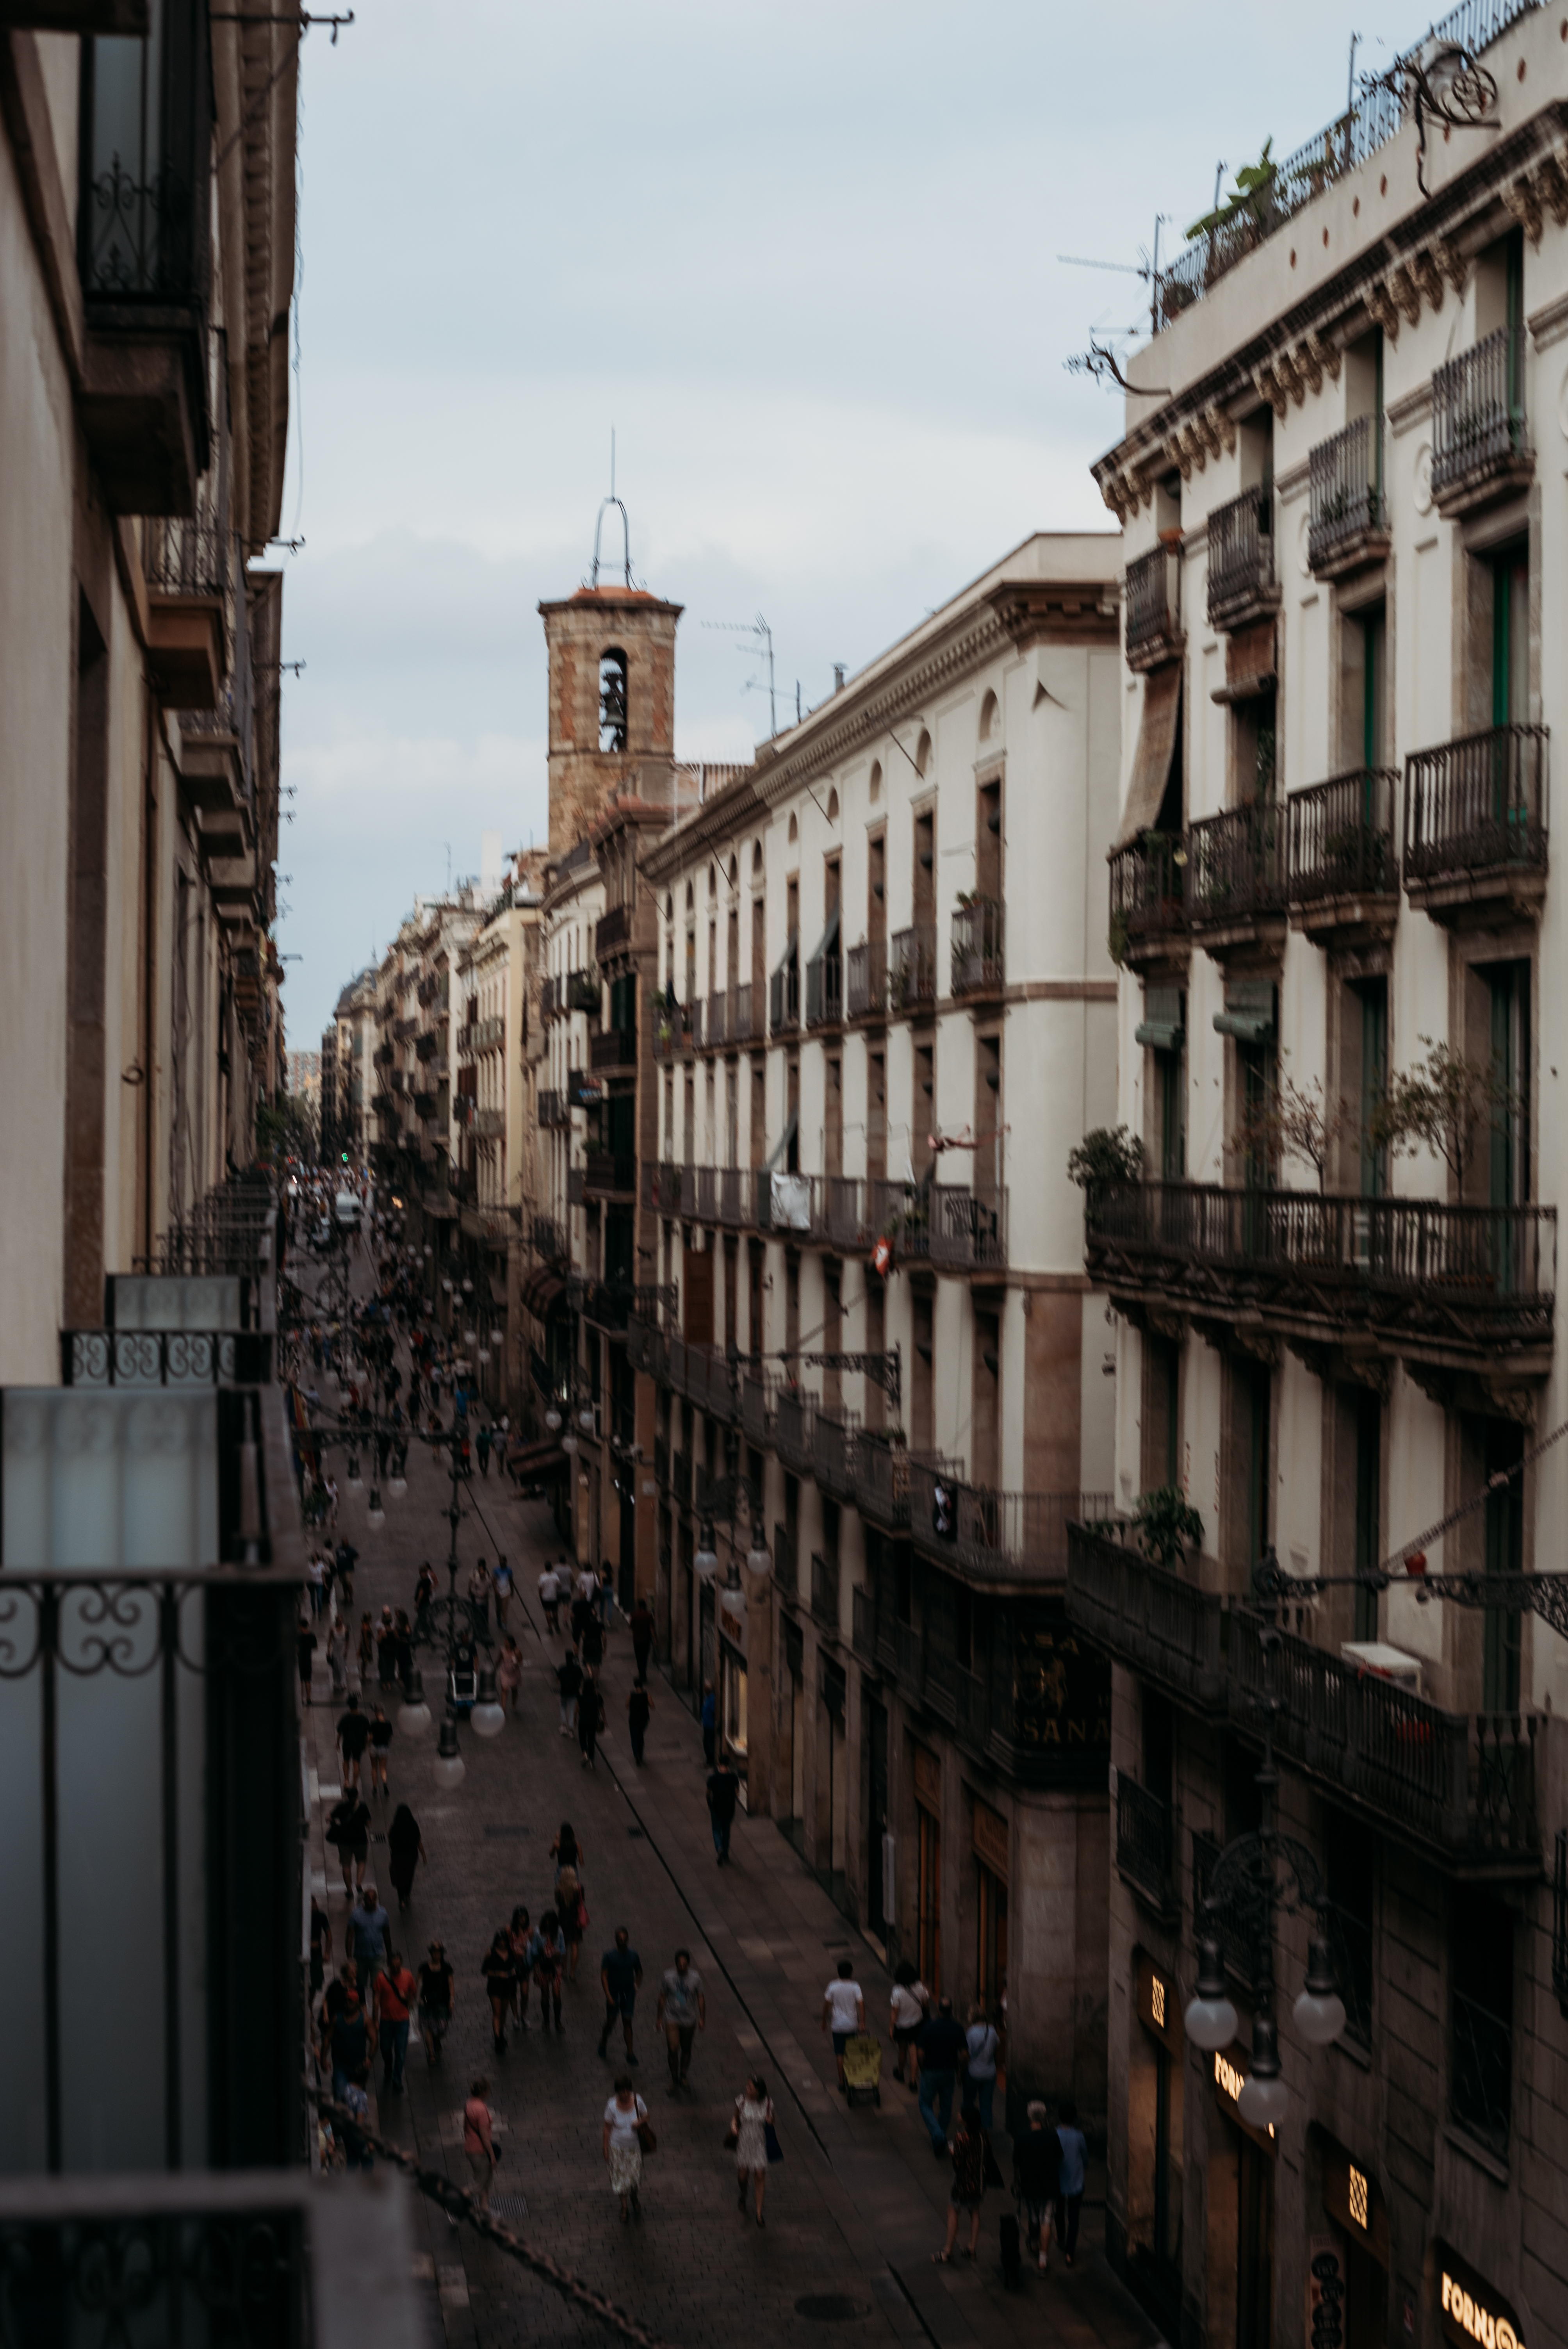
(1383, 311)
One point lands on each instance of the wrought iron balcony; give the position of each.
(793, 1410)
(576, 1190)
(1241, 583)
(716, 1027)
(1341, 868)
(706, 1194)
(1149, 898)
(879, 1481)
(611, 1172)
(737, 1197)
(489, 1124)
(1466, 1287)
(1236, 869)
(1154, 1622)
(1347, 523)
(865, 979)
(825, 1591)
(744, 1020)
(549, 1239)
(1153, 606)
(938, 1223)
(585, 992)
(612, 1048)
(979, 963)
(825, 990)
(1480, 444)
(755, 1416)
(1145, 1844)
(553, 1110)
(784, 999)
(834, 1435)
(613, 932)
(912, 968)
(1000, 1540)
(1475, 820)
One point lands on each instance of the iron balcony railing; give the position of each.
(1348, 500)
(1465, 1787)
(489, 1124)
(576, 1187)
(706, 1194)
(825, 990)
(792, 1414)
(669, 1189)
(1241, 553)
(756, 1418)
(879, 1478)
(865, 978)
(585, 992)
(737, 1197)
(553, 1110)
(1479, 803)
(979, 963)
(834, 1437)
(1153, 603)
(612, 1048)
(1488, 1273)
(717, 1023)
(1145, 1841)
(192, 555)
(963, 1231)
(1005, 1538)
(745, 1027)
(1340, 838)
(1478, 413)
(911, 967)
(610, 1170)
(1148, 890)
(613, 931)
(784, 999)
(549, 1239)
(825, 1590)
(1236, 865)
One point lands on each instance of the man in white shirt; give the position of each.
(550, 1599)
(844, 2012)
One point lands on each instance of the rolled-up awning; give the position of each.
(1157, 738)
(535, 1460)
(1251, 663)
(541, 1289)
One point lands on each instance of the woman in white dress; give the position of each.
(623, 2116)
(753, 2119)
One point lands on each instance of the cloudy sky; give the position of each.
(802, 259)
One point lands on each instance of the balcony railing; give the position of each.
(792, 1414)
(613, 1048)
(716, 1027)
(754, 1416)
(964, 1231)
(911, 967)
(1148, 891)
(1475, 1277)
(1341, 838)
(879, 1473)
(1236, 865)
(1153, 1621)
(585, 992)
(610, 1170)
(833, 1441)
(865, 979)
(745, 1026)
(1145, 1842)
(613, 931)
(825, 990)
(576, 1190)
(671, 1028)
(1153, 602)
(1001, 1538)
(1479, 431)
(553, 1110)
(1241, 557)
(489, 1124)
(979, 965)
(825, 1590)
(1349, 514)
(737, 1197)
(784, 999)
(1477, 805)
(549, 1239)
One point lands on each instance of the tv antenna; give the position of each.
(761, 634)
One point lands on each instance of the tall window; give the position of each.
(613, 699)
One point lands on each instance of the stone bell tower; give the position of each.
(612, 654)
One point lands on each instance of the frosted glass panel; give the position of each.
(109, 1479)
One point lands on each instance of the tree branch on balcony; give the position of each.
(1292, 1120)
(1168, 1526)
(1446, 1102)
(1106, 1155)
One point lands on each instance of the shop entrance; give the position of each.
(1255, 2248)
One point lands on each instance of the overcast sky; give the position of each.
(802, 259)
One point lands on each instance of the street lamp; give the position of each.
(487, 1717)
(414, 1714)
(707, 1559)
(374, 1515)
(451, 1768)
(1210, 2019)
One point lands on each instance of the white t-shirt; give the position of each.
(907, 2008)
(623, 2122)
(548, 1587)
(588, 1584)
(843, 2004)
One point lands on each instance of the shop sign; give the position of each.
(927, 1780)
(1159, 2005)
(1354, 2200)
(1472, 2309)
(1229, 2066)
(1325, 2294)
(991, 1839)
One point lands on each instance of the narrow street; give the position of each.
(856, 2209)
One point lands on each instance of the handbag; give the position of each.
(646, 2137)
(775, 2150)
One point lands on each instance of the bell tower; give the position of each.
(612, 655)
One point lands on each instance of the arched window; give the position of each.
(876, 779)
(613, 699)
(756, 856)
(794, 829)
(833, 807)
(989, 713)
(923, 753)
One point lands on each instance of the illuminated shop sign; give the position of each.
(1159, 2005)
(1472, 2309)
(1229, 2079)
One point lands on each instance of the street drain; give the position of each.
(832, 2308)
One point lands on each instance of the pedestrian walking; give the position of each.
(387, 1649)
(356, 2095)
(625, 2119)
(482, 1446)
(550, 1599)
(344, 1559)
(569, 1680)
(502, 1579)
(844, 2013)
(405, 1851)
(753, 2136)
(606, 1597)
(479, 1599)
(1037, 2180)
(478, 2140)
(508, 1672)
(549, 1955)
(642, 1636)
(348, 1830)
(709, 1722)
(639, 1705)
(590, 1644)
(974, 2170)
(590, 1719)
(437, 1987)
(620, 1977)
(911, 2003)
(681, 2013)
(395, 1995)
(348, 2046)
(380, 1750)
(980, 2066)
(315, 1576)
(337, 1655)
(943, 2046)
(723, 1792)
(521, 1936)
(353, 1737)
(320, 1944)
(366, 1648)
(1070, 2179)
(305, 1645)
(500, 1984)
(369, 1935)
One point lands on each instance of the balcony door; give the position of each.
(1504, 1555)
(1511, 636)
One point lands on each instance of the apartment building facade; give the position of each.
(1340, 935)
(494, 1131)
(881, 1025)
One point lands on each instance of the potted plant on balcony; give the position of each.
(1106, 1155)
(1168, 1526)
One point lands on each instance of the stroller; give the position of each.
(863, 2069)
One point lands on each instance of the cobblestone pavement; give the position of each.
(858, 2205)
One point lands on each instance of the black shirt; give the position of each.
(638, 1708)
(349, 1826)
(1038, 2160)
(350, 2041)
(723, 1787)
(942, 2043)
(381, 1734)
(352, 1732)
(307, 1650)
(436, 1987)
(570, 1676)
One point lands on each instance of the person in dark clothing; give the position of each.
(974, 2169)
(1037, 2169)
(592, 1643)
(306, 1643)
(709, 1722)
(723, 1790)
(943, 2047)
(589, 1704)
(405, 1851)
(499, 1971)
(642, 1636)
(353, 1737)
(482, 1446)
(569, 1680)
(620, 1977)
(639, 1705)
(320, 1943)
(350, 2044)
(1070, 2180)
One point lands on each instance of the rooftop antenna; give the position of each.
(764, 635)
(625, 526)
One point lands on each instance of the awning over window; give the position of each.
(542, 1288)
(1157, 738)
(1251, 1013)
(1162, 1024)
(530, 1461)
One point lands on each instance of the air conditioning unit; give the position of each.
(1385, 1663)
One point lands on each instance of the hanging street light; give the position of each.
(451, 1768)
(485, 1718)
